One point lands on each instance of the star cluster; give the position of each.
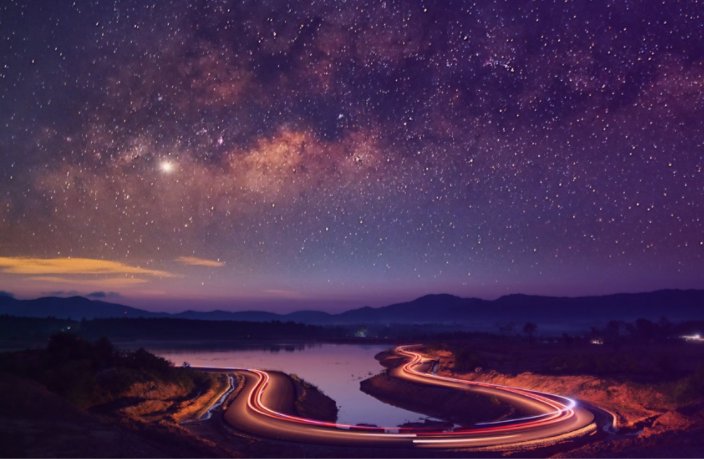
(353, 150)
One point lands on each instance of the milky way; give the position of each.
(349, 152)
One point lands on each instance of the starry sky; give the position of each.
(328, 154)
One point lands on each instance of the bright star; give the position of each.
(167, 166)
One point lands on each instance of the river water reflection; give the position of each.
(336, 369)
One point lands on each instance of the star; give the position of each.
(543, 148)
(167, 167)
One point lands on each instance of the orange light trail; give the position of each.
(558, 420)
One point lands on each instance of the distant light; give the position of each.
(695, 338)
(597, 341)
(167, 166)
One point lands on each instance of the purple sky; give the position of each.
(283, 155)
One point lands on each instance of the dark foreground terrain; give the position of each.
(652, 384)
(79, 398)
(82, 399)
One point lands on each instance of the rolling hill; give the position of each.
(75, 307)
(436, 309)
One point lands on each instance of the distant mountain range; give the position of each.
(442, 309)
(74, 307)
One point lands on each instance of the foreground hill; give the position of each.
(81, 399)
(430, 309)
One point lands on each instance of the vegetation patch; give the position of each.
(312, 403)
(97, 375)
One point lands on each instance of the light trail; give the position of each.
(559, 417)
(220, 399)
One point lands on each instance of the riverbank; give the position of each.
(311, 403)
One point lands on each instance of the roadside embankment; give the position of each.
(631, 403)
(649, 422)
(197, 406)
(36, 422)
(439, 402)
(311, 402)
(164, 401)
(88, 399)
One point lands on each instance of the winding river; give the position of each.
(336, 369)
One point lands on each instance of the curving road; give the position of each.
(257, 410)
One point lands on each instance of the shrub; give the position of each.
(690, 388)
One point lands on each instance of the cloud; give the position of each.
(99, 282)
(196, 261)
(63, 266)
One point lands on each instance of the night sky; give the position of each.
(330, 154)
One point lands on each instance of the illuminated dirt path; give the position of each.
(256, 411)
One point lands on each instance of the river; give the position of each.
(336, 369)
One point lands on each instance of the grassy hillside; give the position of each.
(77, 398)
(89, 374)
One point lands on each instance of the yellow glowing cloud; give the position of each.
(195, 261)
(90, 266)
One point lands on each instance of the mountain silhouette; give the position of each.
(436, 309)
(74, 307)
